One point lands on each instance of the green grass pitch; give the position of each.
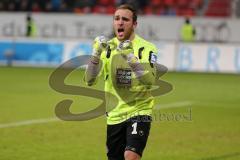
(213, 133)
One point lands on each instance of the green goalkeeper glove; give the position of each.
(126, 49)
(99, 44)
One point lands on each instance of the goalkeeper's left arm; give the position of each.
(144, 72)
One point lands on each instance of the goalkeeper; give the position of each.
(128, 64)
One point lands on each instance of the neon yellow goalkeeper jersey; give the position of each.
(133, 96)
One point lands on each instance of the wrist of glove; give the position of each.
(99, 44)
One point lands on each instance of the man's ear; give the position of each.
(135, 24)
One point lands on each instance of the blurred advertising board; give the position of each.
(184, 57)
(92, 25)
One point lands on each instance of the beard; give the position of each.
(128, 34)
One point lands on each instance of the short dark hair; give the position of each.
(131, 8)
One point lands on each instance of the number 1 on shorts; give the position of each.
(134, 128)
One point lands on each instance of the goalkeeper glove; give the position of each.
(99, 44)
(126, 49)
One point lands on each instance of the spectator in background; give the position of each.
(188, 31)
(31, 29)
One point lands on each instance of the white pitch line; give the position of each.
(28, 122)
(173, 105)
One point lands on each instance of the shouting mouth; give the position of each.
(120, 32)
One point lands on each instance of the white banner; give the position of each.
(166, 54)
(89, 26)
(76, 48)
(208, 58)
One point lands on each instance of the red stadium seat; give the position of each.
(148, 10)
(106, 2)
(158, 10)
(156, 2)
(77, 10)
(170, 3)
(110, 9)
(36, 7)
(196, 3)
(186, 12)
(183, 3)
(99, 9)
(219, 8)
(189, 12)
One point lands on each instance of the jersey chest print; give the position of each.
(123, 77)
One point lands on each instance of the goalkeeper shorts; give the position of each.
(131, 134)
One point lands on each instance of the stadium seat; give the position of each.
(77, 10)
(186, 12)
(110, 9)
(169, 3)
(183, 3)
(156, 10)
(105, 2)
(99, 9)
(147, 10)
(196, 3)
(219, 8)
(156, 2)
(36, 7)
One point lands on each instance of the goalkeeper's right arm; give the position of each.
(94, 65)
